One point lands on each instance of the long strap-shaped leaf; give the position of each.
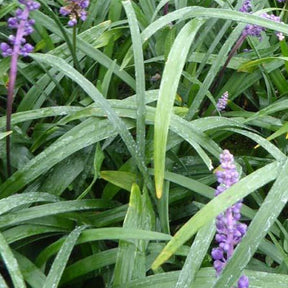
(127, 250)
(11, 264)
(17, 200)
(89, 264)
(61, 259)
(196, 255)
(116, 233)
(259, 227)
(169, 84)
(219, 204)
(32, 274)
(3, 284)
(39, 211)
(4, 134)
(140, 76)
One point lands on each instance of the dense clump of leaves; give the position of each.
(118, 121)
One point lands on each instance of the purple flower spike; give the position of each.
(23, 24)
(75, 9)
(222, 102)
(16, 46)
(255, 30)
(229, 231)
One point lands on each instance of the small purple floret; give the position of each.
(75, 9)
(243, 282)
(229, 231)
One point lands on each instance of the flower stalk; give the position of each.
(16, 46)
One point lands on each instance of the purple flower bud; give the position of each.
(237, 216)
(218, 265)
(12, 39)
(65, 11)
(243, 282)
(72, 22)
(217, 253)
(84, 4)
(242, 228)
(12, 22)
(6, 49)
(220, 238)
(28, 30)
(83, 15)
(18, 13)
(26, 49)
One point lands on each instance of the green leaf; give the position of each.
(103, 234)
(120, 178)
(32, 274)
(11, 264)
(14, 201)
(51, 209)
(61, 259)
(4, 134)
(23, 231)
(89, 264)
(127, 251)
(168, 88)
(196, 255)
(253, 65)
(140, 77)
(7, 9)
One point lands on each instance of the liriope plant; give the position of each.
(114, 144)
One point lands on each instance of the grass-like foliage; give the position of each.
(116, 122)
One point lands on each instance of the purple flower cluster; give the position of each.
(222, 102)
(255, 30)
(75, 9)
(229, 230)
(17, 44)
